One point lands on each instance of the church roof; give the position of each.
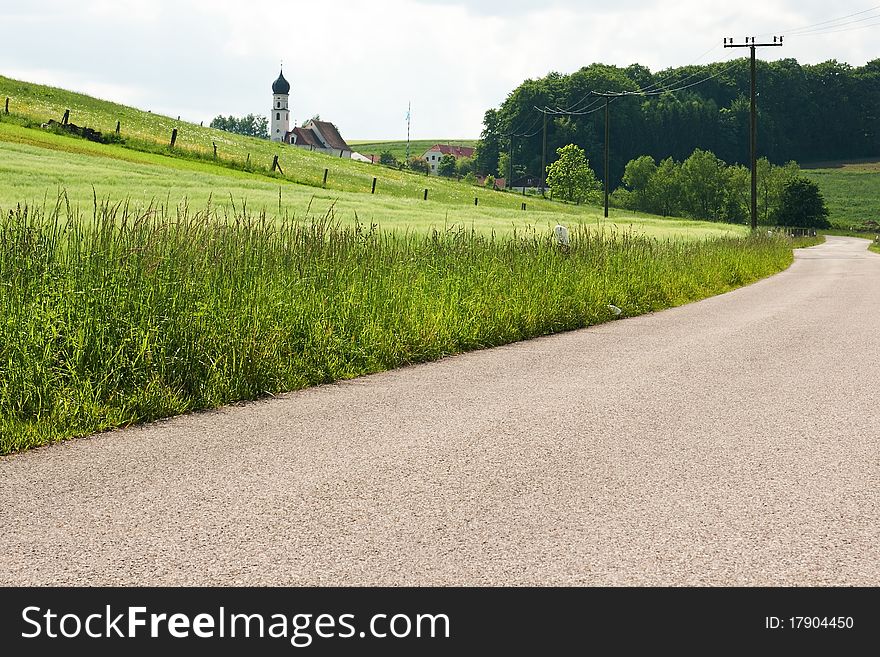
(306, 138)
(330, 135)
(281, 86)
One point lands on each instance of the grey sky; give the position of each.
(358, 63)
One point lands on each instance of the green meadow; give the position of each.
(37, 166)
(138, 282)
(852, 193)
(398, 148)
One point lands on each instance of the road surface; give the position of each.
(734, 441)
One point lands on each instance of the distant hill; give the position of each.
(398, 148)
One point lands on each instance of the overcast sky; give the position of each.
(359, 63)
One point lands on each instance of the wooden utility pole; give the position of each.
(544, 152)
(510, 163)
(607, 133)
(753, 119)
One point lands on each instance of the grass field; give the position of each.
(138, 282)
(36, 166)
(398, 148)
(851, 191)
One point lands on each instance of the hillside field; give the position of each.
(398, 148)
(851, 191)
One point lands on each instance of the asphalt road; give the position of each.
(734, 441)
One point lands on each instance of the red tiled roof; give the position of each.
(306, 137)
(331, 135)
(455, 151)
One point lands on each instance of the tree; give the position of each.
(250, 125)
(637, 177)
(771, 181)
(704, 185)
(665, 189)
(420, 164)
(802, 205)
(387, 158)
(489, 181)
(796, 101)
(316, 117)
(571, 178)
(503, 165)
(464, 166)
(446, 167)
(739, 194)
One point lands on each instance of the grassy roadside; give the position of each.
(116, 317)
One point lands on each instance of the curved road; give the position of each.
(733, 441)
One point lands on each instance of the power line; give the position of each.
(659, 83)
(794, 30)
(846, 29)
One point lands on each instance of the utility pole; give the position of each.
(544, 152)
(753, 122)
(607, 134)
(510, 164)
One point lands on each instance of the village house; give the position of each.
(434, 154)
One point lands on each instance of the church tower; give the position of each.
(280, 117)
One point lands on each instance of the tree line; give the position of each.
(701, 187)
(251, 125)
(807, 113)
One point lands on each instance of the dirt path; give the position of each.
(731, 441)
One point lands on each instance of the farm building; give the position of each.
(320, 136)
(434, 154)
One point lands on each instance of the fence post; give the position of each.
(173, 137)
(214, 143)
(426, 194)
(373, 190)
(476, 201)
(7, 104)
(324, 184)
(248, 160)
(118, 127)
(524, 207)
(66, 117)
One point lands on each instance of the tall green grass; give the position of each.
(116, 317)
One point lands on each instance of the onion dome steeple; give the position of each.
(281, 86)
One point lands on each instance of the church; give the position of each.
(320, 136)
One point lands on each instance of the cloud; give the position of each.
(359, 64)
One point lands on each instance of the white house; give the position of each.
(434, 154)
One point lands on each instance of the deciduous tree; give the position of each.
(571, 178)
